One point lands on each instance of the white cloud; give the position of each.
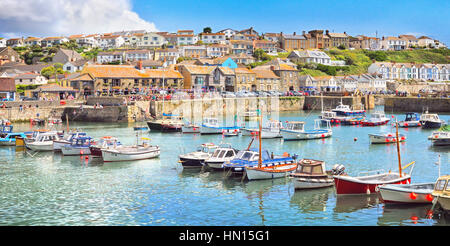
(66, 17)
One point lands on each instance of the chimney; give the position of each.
(294, 33)
(326, 32)
(303, 32)
(345, 33)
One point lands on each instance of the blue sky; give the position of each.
(388, 17)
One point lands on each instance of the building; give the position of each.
(290, 42)
(195, 77)
(327, 84)
(137, 55)
(411, 40)
(74, 66)
(288, 74)
(217, 50)
(7, 89)
(338, 39)
(7, 55)
(110, 41)
(15, 42)
(266, 45)
(221, 79)
(364, 42)
(150, 40)
(426, 42)
(346, 83)
(88, 41)
(410, 71)
(315, 39)
(228, 32)
(111, 57)
(186, 37)
(213, 38)
(393, 43)
(249, 31)
(2, 42)
(245, 79)
(52, 41)
(370, 83)
(273, 37)
(266, 80)
(194, 51)
(65, 55)
(241, 46)
(310, 56)
(30, 79)
(30, 41)
(307, 83)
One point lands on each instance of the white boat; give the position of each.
(406, 193)
(78, 146)
(197, 158)
(210, 126)
(221, 155)
(58, 144)
(441, 137)
(311, 174)
(103, 143)
(43, 142)
(295, 130)
(230, 132)
(272, 130)
(428, 120)
(384, 138)
(376, 119)
(270, 172)
(130, 153)
(190, 128)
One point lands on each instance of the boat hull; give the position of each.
(430, 124)
(57, 145)
(8, 142)
(115, 155)
(441, 141)
(95, 151)
(215, 164)
(385, 139)
(312, 183)
(190, 129)
(210, 130)
(273, 172)
(67, 150)
(346, 185)
(156, 126)
(40, 146)
(191, 163)
(374, 123)
(393, 194)
(405, 124)
(444, 202)
(306, 135)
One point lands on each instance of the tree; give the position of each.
(207, 30)
(52, 70)
(261, 55)
(341, 47)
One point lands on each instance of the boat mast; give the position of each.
(260, 142)
(398, 149)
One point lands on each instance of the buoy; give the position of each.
(81, 152)
(406, 124)
(429, 197)
(323, 135)
(355, 139)
(413, 195)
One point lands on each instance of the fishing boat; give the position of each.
(169, 123)
(431, 120)
(376, 119)
(385, 138)
(190, 128)
(9, 139)
(345, 110)
(103, 143)
(131, 152)
(441, 193)
(43, 142)
(250, 158)
(6, 128)
(295, 130)
(311, 174)
(58, 144)
(272, 130)
(212, 126)
(78, 146)
(197, 158)
(223, 153)
(366, 184)
(406, 193)
(441, 137)
(230, 132)
(411, 120)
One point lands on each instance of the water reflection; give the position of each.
(405, 215)
(311, 200)
(352, 203)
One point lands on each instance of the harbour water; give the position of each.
(51, 189)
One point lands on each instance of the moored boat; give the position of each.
(345, 110)
(58, 144)
(310, 174)
(103, 143)
(441, 193)
(376, 119)
(411, 120)
(223, 153)
(43, 142)
(197, 158)
(78, 146)
(441, 137)
(9, 139)
(406, 193)
(294, 130)
(169, 123)
(130, 152)
(385, 138)
(431, 120)
(190, 128)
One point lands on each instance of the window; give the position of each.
(440, 184)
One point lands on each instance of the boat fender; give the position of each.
(413, 195)
(429, 197)
(355, 139)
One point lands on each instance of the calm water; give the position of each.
(51, 189)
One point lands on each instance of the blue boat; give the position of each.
(345, 110)
(78, 146)
(9, 139)
(411, 120)
(6, 128)
(250, 157)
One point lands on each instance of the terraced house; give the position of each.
(123, 79)
(411, 71)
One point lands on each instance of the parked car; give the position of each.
(228, 94)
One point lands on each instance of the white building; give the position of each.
(30, 79)
(151, 40)
(110, 41)
(2, 42)
(310, 56)
(228, 32)
(411, 71)
(393, 43)
(138, 55)
(213, 38)
(108, 57)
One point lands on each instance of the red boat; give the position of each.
(366, 184)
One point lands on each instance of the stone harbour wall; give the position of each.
(416, 104)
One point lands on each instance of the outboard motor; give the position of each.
(338, 169)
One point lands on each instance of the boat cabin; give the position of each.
(252, 155)
(442, 187)
(207, 148)
(273, 124)
(310, 167)
(211, 121)
(224, 152)
(47, 136)
(6, 129)
(342, 107)
(328, 115)
(411, 116)
(81, 141)
(298, 126)
(378, 116)
(429, 117)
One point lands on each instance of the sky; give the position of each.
(367, 17)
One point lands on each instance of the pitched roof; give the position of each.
(244, 70)
(337, 35)
(163, 73)
(194, 69)
(265, 74)
(7, 84)
(52, 88)
(113, 71)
